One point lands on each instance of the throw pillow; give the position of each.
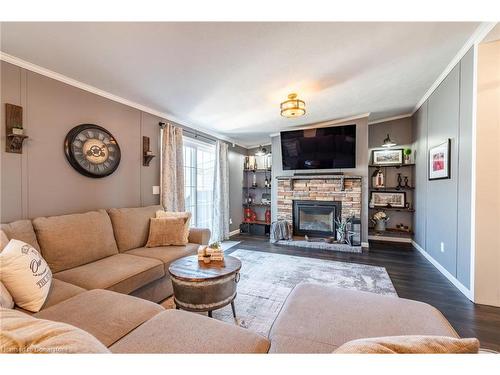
(185, 215)
(25, 274)
(166, 231)
(22, 333)
(6, 300)
(409, 345)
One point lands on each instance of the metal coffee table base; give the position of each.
(179, 306)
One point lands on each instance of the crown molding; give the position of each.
(94, 90)
(481, 31)
(390, 119)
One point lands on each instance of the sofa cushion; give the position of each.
(104, 314)
(21, 230)
(70, 241)
(25, 274)
(176, 331)
(166, 254)
(22, 333)
(167, 231)
(186, 215)
(131, 225)
(410, 345)
(6, 300)
(316, 314)
(121, 273)
(60, 291)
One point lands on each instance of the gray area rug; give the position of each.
(267, 279)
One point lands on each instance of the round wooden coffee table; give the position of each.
(204, 287)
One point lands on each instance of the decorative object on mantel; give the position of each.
(388, 142)
(407, 155)
(14, 132)
(387, 157)
(341, 228)
(147, 154)
(407, 185)
(92, 150)
(439, 161)
(388, 199)
(380, 219)
(293, 107)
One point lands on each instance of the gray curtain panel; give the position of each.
(220, 228)
(172, 169)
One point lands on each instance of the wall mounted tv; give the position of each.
(321, 148)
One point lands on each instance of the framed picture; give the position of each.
(388, 199)
(439, 161)
(387, 157)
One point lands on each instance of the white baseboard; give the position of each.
(466, 292)
(234, 232)
(390, 239)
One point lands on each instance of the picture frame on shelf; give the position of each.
(388, 199)
(440, 161)
(387, 157)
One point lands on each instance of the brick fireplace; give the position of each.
(345, 191)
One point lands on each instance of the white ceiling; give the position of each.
(229, 78)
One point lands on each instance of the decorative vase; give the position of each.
(340, 236)
(380, 225)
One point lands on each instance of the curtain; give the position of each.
(172, 169)
(220, 229)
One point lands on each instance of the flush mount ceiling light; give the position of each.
(293, 107)
(262, 151)
(388, 142)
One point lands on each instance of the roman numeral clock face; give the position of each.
(92, 150)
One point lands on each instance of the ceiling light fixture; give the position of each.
(293, 107)
(262, 151)
(388, 142)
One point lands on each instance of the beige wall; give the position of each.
(41, 181)
(487, 242)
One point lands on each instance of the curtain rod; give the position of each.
(193, 133)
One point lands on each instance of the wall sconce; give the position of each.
(147, 154)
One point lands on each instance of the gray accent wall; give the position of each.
(40, 181)
(443, 207)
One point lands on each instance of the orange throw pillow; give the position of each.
(185, 215)
(166, 231)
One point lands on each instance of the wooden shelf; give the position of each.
(256, 205)
(256, 187)
(396, 189)
(392, 209)
(258, 222)
(390, 235)
(257, 170)
(392, 166)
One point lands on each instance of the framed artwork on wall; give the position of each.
(439, 161)
(387, 157)
(388, 199)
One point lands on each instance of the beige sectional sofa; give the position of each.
(100, 267)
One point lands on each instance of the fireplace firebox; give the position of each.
(315, 217)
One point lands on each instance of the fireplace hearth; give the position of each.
(316, 218)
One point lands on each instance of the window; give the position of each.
(199, 164)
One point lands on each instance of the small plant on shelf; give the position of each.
(380, 219)
(407, 155)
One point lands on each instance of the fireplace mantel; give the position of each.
(325, 177)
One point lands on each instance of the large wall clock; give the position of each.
(92, 150)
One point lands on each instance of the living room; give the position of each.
(247, 197)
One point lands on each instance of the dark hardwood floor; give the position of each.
(413, 277)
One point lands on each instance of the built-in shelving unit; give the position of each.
(393, 234)
(258, 192)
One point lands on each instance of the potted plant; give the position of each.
(407, 155)
(380, 219)
(341, 227)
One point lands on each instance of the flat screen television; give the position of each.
(321, 148)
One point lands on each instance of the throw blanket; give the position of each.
(280, 230)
